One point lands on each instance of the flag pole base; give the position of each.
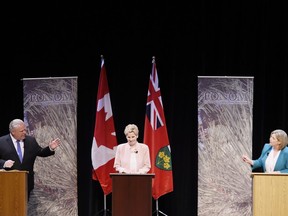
(105, 211)
(157, 211)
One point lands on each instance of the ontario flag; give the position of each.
(156, 137)
(104, 140)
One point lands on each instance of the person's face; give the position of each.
(274, 141)
(131, 138)
(19, 132)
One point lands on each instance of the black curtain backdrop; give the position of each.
(202, 38)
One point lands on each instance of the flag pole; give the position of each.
(157, 211)
(156, 137)
(100, 139)
(105, 211)
(105, 202)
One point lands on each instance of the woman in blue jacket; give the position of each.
(274, 155)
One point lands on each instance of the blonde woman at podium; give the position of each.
(274, 155)
(132, 157)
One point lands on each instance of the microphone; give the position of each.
(136, 151)
(268, 153)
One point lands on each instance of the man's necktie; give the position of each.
(19, 151)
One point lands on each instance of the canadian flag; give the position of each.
(104, 141)
(156, 137)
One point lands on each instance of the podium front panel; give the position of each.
(131, 194)
(13, 193)
(270, 194)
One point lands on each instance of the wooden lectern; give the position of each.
(131, 194)
(270, 194)
(13, 193)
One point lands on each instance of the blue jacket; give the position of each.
(281, 164)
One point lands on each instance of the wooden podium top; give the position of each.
(268, 174)
(126, 174)
(13, 171)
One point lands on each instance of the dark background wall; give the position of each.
(233, 38)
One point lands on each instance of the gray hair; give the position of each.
(15, 123)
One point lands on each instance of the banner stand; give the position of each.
(49, 105)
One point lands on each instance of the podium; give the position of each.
(131, 194)
(270, 194)
(13, 193)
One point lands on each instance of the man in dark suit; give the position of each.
(18, 151)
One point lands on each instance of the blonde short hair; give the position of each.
(281, 137)
(131, 128)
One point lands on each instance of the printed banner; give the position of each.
(225, 111)
(50, 111)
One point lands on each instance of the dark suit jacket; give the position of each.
(31, 150)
